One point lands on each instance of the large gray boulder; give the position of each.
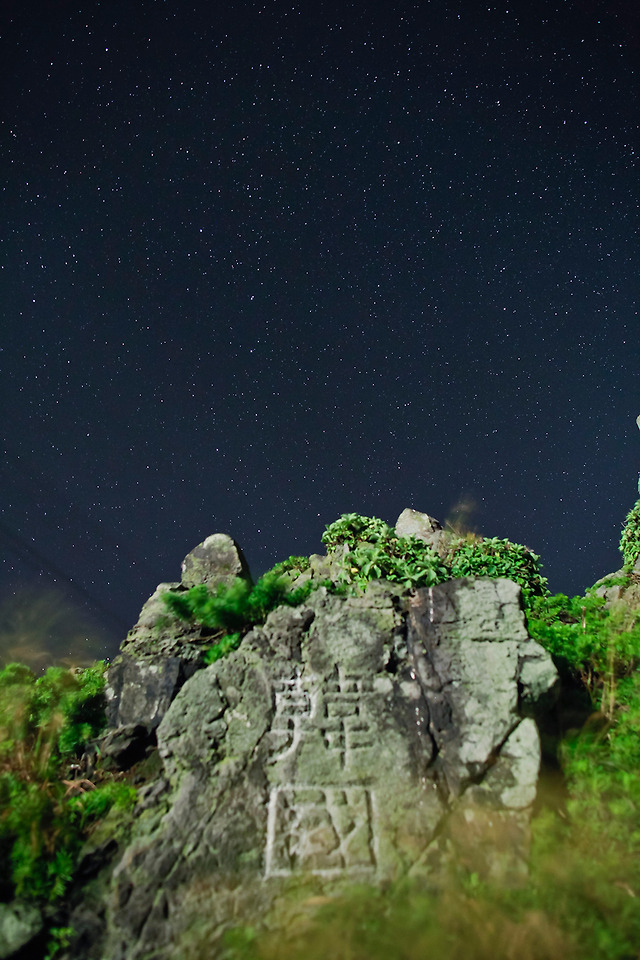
(350, 740)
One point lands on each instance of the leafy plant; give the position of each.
(630, 539)
(492, 557)
(232, 609)
(292, 564)
(352, 528)
(404, 560)
(45, 723)
(59, 940)
(600, 643)
(374, 552)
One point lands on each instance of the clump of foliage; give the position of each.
(224, 646)
(599, 643)
(404, 560)
(630, 539)
(292, 564)
(231, 609)
(45, 723)
(352, 528)
(492, 557)
(59, 940)
(374, 552)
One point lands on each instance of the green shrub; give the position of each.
(295, 565)
(600, 644)
(630, 539)
(224, 646)
(374, 552)
(492, 557)
(45, 723)
(352, 528)
(232, 609)
(404, 560)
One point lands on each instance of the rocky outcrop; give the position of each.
(623, 586)
(350, 739)
(161, 652)
(218, 559)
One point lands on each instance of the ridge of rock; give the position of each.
(349, 739)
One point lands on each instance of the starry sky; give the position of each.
(264, 263)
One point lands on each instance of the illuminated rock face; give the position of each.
(354, 739)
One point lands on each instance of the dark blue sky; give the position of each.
(263, 264)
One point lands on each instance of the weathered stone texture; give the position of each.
(20, 925)
(218, 559)
(351, 739)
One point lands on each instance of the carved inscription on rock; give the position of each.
(293, 711)
(326, 827)
(344, 725)
(322, 830)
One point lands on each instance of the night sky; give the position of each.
(266, 263)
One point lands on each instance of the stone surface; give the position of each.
(624, 590)
(20, 924)
(218, 559)
(139, 691)
(126, 745)
(411, 523)
(477, 665)
(353, 739)
(161, 651)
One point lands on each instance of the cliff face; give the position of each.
(349, 739)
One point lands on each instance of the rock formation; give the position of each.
(353, 738)
(350, 739)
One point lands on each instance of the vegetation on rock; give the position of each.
(230, 610)
(630, 539)
(369, 550)
(45, 724)
(598, 642)
(581, 899)
(374, 551)
(404, 560)
(491, 557)
(353, 528)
